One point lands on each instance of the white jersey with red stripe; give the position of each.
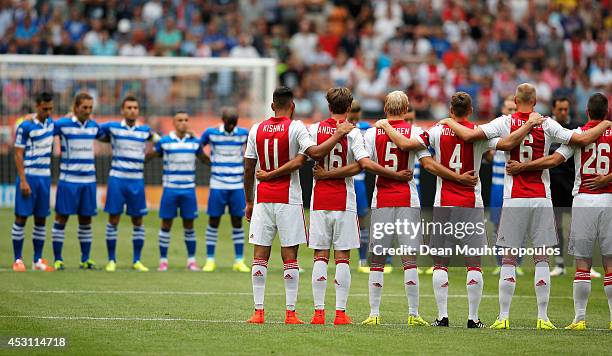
(459, 156)
(591, 160)
(389, 192)
(527, 184)
(336, 194)
(274, 142)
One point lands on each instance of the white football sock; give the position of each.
(474, 285)
(342, 282)
(582, 290)
(411, 285)
(259, 272)
(375, 283)
(292, 280)
(440, 287)
(541, 281)
(608, 290)
(507, 284)
(319, 282)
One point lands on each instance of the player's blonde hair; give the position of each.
(396, 103)
(525, 94)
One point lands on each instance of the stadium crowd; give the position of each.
(430, 49)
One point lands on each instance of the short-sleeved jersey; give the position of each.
(336, 194)
(226, 152)
(591, 160)
(527, 184)
(36, 138)
(499, 167)
(180, 156)
(272, 143)
(129, 144)
(363, 126)
(390, 192)
(77, 164)
(459, 156)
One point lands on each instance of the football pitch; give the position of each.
(181, 312)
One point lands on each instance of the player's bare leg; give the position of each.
(342, 282)
(542, 290)
(164, 242)
(375, 287)
(58, 233)
(190, 244)
(440, 288)
(138, 238)
(292, 280)
(319, 285)
(411, 285)
(111, 242)
(474, 285)
(259, 272)
(507, 285)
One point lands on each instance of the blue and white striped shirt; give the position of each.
(179, 160)
(363, 126)
(227, 152)
(36, 138)
(77, 164)
(129, 144)
(499, 167)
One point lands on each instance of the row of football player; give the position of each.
(76, 191)
(277, 147)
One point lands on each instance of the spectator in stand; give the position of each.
(168, 39)
(105, 46)
(304, 43)
(75, 26)
(244, 49)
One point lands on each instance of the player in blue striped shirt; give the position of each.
(126, 186)
(76, 190)
(180, 150)
(227, 143)
(33, 148)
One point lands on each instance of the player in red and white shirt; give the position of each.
(276, 204)
(397, 202)
(591, 208)
(527, 210)
(455, 202)
(333, 208)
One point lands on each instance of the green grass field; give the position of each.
(182, 312)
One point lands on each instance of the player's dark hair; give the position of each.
(559, 99)
(339, 100)
(228, 113)
(461, 102)
(80, 97)
(129, 98)
(597, 106)
(181, 111)
(282, 97)
(43, 97)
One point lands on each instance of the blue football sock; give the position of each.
(38, 241)
(58, 240)
(138, 239)
(111, 241)
(190, 242)
(17, 234)
(85, 236)
(238, 238)
(164, 242)
(212, 234)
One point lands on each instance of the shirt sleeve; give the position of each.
(427, 138)
(251, 146)
(496, 128)
(557, 132)
(492, 143)
(369, 138)
(205, 139)
(358, 145)
(57, 128)
(158, 147)
(22, 135)
(303, 137)
(100, 134)
(566, 151)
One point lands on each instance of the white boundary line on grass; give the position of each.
(197, 293)
(211, 321)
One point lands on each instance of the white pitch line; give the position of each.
(211, 321)
(196, 293)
